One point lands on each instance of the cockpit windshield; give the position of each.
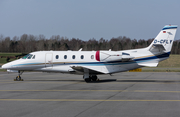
(28, 56)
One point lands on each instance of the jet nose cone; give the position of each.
(3, 66)
(6, 66)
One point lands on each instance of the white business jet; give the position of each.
(92, 63)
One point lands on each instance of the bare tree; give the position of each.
(28, 43)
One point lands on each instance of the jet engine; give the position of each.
(112, 56)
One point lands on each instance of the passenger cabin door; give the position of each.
(48, 60)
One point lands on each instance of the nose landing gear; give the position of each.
(18, 78)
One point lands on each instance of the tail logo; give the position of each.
(163, 41)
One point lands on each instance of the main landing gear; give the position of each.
(91, 78)
(18, 78)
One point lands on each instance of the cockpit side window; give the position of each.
(34, 57)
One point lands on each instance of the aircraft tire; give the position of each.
(88, 79)
(18, 78)
(94, 78)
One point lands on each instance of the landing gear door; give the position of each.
(48, 60)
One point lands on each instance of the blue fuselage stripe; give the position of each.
(154, 57)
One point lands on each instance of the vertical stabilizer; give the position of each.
(164, 40)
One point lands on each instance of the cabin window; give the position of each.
(33, 57)
(92, 56)
(73, 57)
(65, 56)
(82, 56)
(57, 56)
(30, 55)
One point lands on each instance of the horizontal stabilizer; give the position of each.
(148, 64)
(126, 57)
(157, 48)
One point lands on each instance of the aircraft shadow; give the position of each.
(110, 80)
(160, 81)
(115, 80)
(100, 81)
(103, 80)
(57, 80)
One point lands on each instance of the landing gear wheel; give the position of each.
(94, 78)
(88, 79)
(18, 78)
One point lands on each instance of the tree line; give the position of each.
(29, 43)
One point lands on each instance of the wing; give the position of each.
(91, 69)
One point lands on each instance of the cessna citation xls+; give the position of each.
(92, 63)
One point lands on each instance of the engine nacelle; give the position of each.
(112, 56)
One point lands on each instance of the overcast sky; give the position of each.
(87, 19)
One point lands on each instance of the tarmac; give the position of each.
(127, 94)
